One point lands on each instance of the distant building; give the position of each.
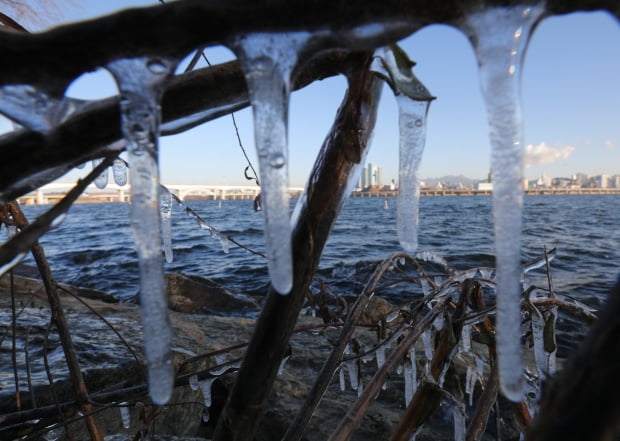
(372, 176)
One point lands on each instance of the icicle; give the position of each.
(412, 123)
(193, 382)
(466, 339)
(141, 84)
(119, 170)
(342, 379)
(428, 345)
(360, 387)
(205, 387)
(459, 422)
(54, 434)
(101, 181)
(165, 213)
(500, 37)
(353, 373)
(538, 328)
(413, 101)
(433, 257)
(426, 286)
(125, 415)
(470, 383)
(410, 383)
(268, 61)
(380, 353)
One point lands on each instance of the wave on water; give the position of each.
(94, 248)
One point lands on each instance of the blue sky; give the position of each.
(570, 90)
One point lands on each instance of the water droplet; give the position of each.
(157, 67)
(278, 161)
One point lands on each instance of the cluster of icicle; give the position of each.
(499, 36)
(416, 365)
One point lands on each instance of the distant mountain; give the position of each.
(451, 180)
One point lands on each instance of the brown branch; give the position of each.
(328, 187)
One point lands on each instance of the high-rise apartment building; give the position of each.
(372, 176)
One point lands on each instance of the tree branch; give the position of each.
(53, 59)
(328, 187)
(85, 135)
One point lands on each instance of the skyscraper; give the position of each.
(372, 176)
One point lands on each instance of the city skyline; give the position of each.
(568, 129)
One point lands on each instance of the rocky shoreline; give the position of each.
(207, 319)
(108, 364)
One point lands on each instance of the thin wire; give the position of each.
(232, 114)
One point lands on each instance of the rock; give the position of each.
(109, 367)
(194, 294)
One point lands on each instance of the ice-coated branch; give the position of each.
(31, 159)
(71, 50)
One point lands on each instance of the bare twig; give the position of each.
(61, 323)
(297, 427)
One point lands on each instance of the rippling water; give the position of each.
(93, 247)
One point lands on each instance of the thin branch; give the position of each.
(61, 324)
(30, 232)
(297, 427)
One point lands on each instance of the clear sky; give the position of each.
(571, 96)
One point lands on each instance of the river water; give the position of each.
(94, 248)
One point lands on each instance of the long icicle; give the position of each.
(500, 37)
(413, 100)
(141, 83)
(268, 61)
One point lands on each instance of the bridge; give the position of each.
(52, 192)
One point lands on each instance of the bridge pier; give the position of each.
(41, 199)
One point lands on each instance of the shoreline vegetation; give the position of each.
(106, 196)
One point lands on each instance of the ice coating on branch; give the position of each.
(141, 83)
(119, 170)
(101, 181)
(34, 108)
(165, 212)
(341, 378)
(268, 61)
(500, 36)
(538, 338)
(11, 264)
